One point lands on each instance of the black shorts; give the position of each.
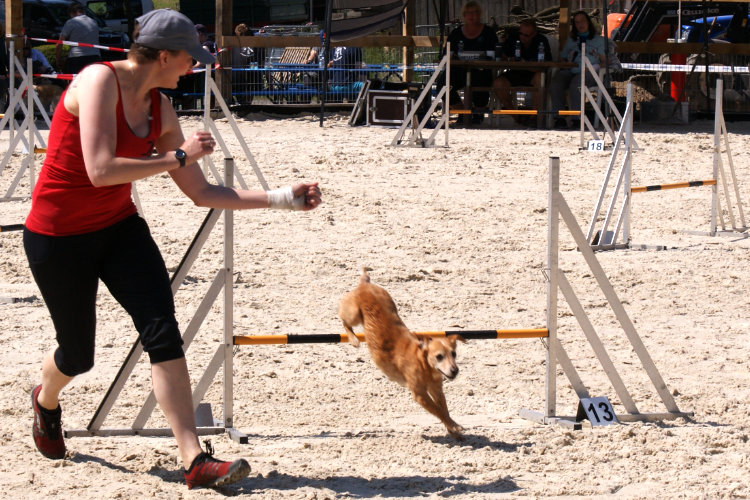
(67, 270)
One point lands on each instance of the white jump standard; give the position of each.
(556, 353)
(619, 236)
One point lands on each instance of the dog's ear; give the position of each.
(423, 341)
(457, 337)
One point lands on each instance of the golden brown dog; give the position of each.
(419, 364)
(49, 95)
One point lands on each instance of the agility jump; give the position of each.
(417, 126)
(619, 237)
(222, 359)
(334, 338)
(556, 352)
(676, 185)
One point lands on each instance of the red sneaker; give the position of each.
(208, 471)
(47, 428)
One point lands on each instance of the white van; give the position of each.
(113, 12)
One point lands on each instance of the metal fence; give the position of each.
(292, 84)
(281, 75)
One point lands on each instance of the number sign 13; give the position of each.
(598, 410)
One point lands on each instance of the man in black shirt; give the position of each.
(531, 44)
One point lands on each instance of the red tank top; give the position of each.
(64, 201)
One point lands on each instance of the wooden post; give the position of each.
(14, 23)
(410, 16)
(564, 24)
(224, 27)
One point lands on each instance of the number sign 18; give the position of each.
(596, 145)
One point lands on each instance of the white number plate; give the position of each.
(599, 411)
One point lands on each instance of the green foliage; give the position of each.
(49, 52)
(167, 4)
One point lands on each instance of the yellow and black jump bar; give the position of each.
(335, 338)
(11, 227)
(676, 185)
(528, 112)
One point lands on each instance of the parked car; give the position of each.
(648, 21)
(719, 28)
(114, 13)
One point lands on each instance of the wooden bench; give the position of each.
(281, 80)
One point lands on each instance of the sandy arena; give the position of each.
(458, 236)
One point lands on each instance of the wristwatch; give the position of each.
(181, 156)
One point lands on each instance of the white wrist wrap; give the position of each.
(284, 199)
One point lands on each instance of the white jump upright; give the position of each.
(596, 104)
(556, 353)
(624, 141)
(212, 90)
(416, 126)
(620, 199)
(719, 173)
(24, 134)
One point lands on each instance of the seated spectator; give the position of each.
(567, 82)
(245, 81)
(249, 54)
(530, 41)
(473, 35)
(39, 63)
(48, 90)
(316, 56)
(345, 76)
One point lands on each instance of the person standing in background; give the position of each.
(206, 42)
(79, 28)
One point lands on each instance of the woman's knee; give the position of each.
(161, 339)
(73, 362)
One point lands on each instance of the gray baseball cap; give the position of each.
(171, 30)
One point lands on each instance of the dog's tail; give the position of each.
(365, 278)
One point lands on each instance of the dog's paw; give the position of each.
(456, 432)
(353, 340)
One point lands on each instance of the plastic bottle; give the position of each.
(517, 52)
(540, 53)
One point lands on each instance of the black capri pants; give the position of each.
(125, 257)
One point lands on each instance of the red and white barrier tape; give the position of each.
(78, 44)
(685, 68)
(70, 76)
(102, 47)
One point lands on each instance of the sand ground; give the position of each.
(458, 236)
